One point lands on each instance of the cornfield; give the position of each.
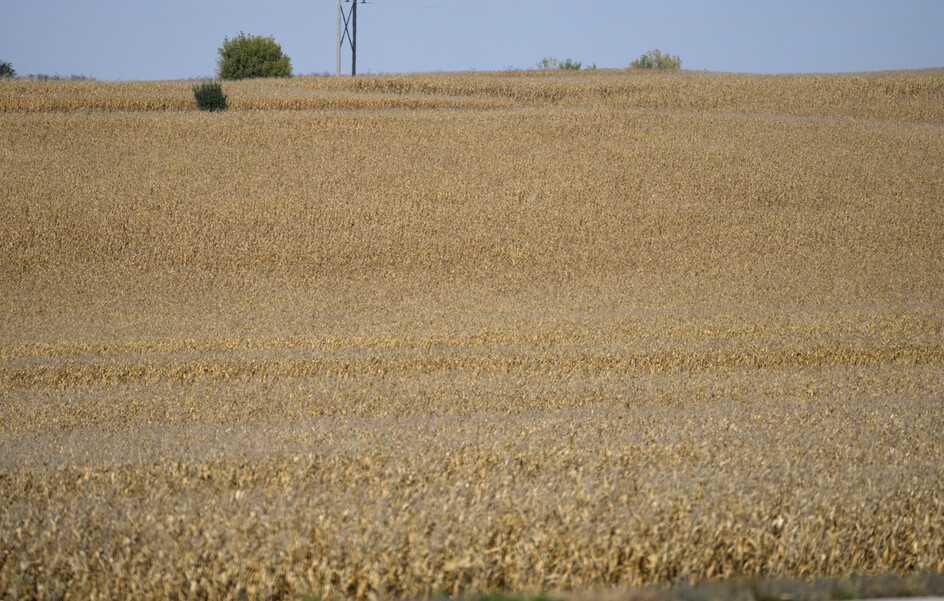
(400, 336)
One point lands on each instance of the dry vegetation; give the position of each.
(468, 332)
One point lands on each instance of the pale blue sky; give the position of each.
(173, 39)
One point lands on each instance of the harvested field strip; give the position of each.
(121, 370)
(66, 104)
(31, 412)
(687, 327)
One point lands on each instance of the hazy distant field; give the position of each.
(396, 336)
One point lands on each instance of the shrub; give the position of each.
(210, 96)
(654, 59)
(549, 63)
(6, 70)
(57, 77)
(569, 65)
(252, 56)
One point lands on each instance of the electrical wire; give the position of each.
(653, 17)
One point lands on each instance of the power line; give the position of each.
(654, 17)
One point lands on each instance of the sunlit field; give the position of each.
(400, 336)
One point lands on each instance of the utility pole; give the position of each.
(347, 30)
(354, 38)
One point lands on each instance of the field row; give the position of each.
(401, 506)
(896, 96)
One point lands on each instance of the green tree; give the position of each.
(549, 63)
(569, 65)
(252, 56)
(654, 59)
(6, 70)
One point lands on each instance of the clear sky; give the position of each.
(174, 39)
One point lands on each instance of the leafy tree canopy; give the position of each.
(654, 59)
(252, 56)
(6, 70)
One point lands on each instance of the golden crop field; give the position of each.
(398, 336)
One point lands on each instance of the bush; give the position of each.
(6, 70)
(57, 77)
(654, 59)
(252, 56)
(569, 65)
(210, 96)
(549, 63)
